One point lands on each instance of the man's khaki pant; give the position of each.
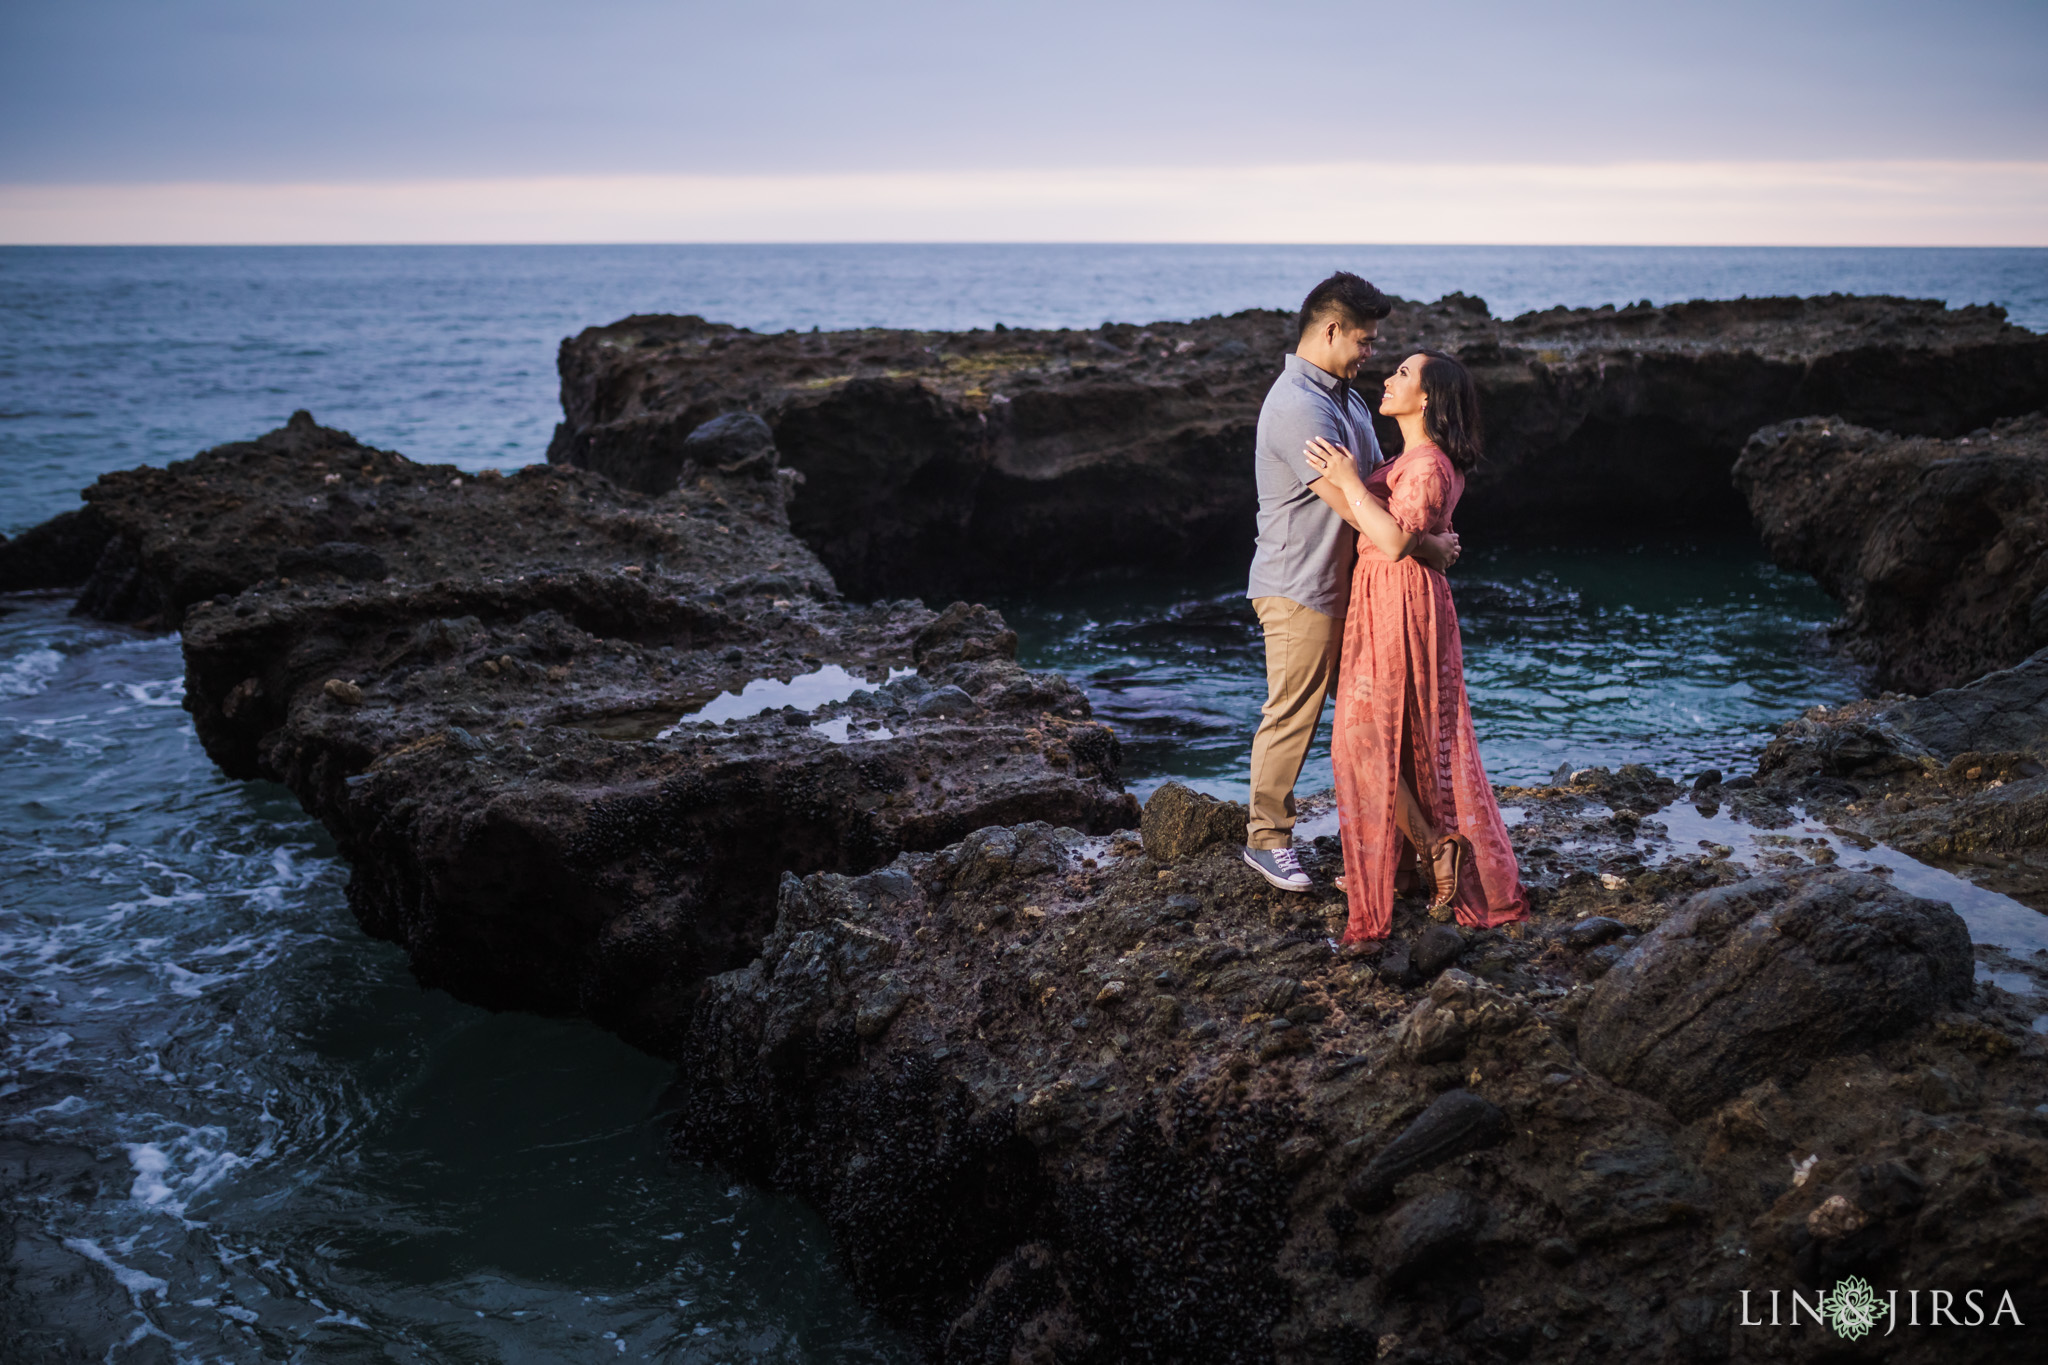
(1302, 647)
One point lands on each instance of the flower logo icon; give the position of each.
(1852, 1308)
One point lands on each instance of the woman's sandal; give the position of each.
(1447, 887)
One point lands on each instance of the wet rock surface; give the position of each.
(1937, 549)
(954, 462)
(1958, 777)
(481, 686)
(60, 553)
(1761, 979)
(1062, 1100)
(1179, 822)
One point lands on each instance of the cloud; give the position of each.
(99, 91)
(1830, 203)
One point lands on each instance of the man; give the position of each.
(1301, 570)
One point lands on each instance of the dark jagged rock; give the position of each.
(481, 686)
(1047, 1119)
(1458, 1009)
(1937, 549)
(963, 632)
(951, 462)
(1427, 1232)
(1439, 947)
(1761, 979)
(2001, 712)
(1606, 957)
(1396, 964)
(1594, 930)
(60, 553)
(1633, 1187)
(340, 558)
(734, 443)
(1455, 1124)
(1632, 790)
(1180, 822)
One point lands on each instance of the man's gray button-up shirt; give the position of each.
(1305, 550)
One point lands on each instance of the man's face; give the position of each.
(1352, 347)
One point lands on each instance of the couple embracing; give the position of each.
(1348, 582)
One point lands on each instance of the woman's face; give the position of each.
(1403, 392)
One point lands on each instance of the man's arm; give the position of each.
(1293, 428)
(1438, 552)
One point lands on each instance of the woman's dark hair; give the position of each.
(1452, 415)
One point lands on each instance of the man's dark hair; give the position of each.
(1354, 300)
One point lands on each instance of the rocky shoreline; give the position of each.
(463, 678)
(1937, 549)
(1066, 1082)
(963, 462)
(1064, 1099)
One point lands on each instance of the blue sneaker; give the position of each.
(1278, 866)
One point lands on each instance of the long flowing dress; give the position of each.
(1401, 705)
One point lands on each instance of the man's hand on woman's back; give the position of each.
(1439, 552)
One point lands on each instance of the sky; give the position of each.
(1791, 122)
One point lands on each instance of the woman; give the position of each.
(1407, 765)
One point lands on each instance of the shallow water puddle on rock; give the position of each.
(1994, 920)
(1315, 816)
(840, 730)
(805, 692)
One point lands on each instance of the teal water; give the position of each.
(1684, 657)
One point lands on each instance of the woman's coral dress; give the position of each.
(1401, 693)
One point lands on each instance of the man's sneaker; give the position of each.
(1278, 866)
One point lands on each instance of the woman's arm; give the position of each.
(1361, 509)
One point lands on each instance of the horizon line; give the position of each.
(881, 243)
(1829, 204)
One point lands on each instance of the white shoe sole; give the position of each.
(1278, 881)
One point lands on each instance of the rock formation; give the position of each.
(943, 462)
(1938, 549)
(1060, 1099)
(60, 553)
(1958, 777)
(1759, 980)
(480, 685)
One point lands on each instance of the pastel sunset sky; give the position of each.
(1790, 122)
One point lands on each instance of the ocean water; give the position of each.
(117, 356)
(236, 1129)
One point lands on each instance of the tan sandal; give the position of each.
(1447, 886)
